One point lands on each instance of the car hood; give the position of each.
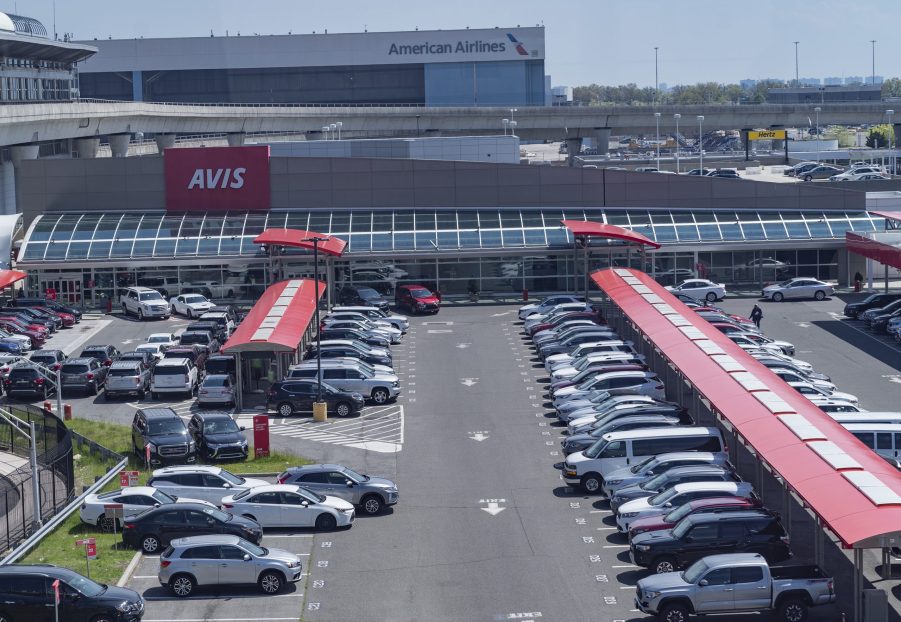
(839, 395)
(337, 503)
(224, 438)
(633, 491)
(527, 308)
(653, 537)
(163, 439)
(115, 595)
(772, 288)
(579, 438)
(576, 458)
(564, 372)
(250, 482)
(663, 581)
(640, 505)
(200, 305)
(429, 300)
(380, 482)
(187, 500)
(281, 555)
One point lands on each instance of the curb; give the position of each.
(129, 570)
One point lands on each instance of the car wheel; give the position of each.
(93, 388)
(380, 396)
(343, 409)
(172, 309)
(807, 178)
(103, 618)
(326, 522)
(673, 613)
(141, 315)
(711, 297)
(820, 295)
(793, 611)
(664, 564)
(372, 504)
(271, 582)
(182, 585)
(142, 394)
(190, 314)
(106, 524)
(778, 297)
(591, 483)
(285, 409)
(150, 544)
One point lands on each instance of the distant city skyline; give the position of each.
(608, 43)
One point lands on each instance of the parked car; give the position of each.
(216, 390)
(378, 386)
(548, 303)
(868, 315)
(27, 594)
(709, 505)
(370, 338)
(145, 357)
(189, 305)
(222, 320)
(819, 172)
(154, 529)
(365, 326)
(167, 340)
(798, 288)
(677, 475)
(808, 389)
(289, 397)
(134, 500)
(733, 582)
(215, 328)
(174, 375)
(201, 338)
(653, 466)
(144, 303)
(27, 381)
(13, 344)
(50, 304)
(200, 561)
(417, 299)
(195, 353)
(127, 377)
(343, 348)
(155, 350)
(217, 436)
(376, 314)
(641, 382)
(726, 173)
(371, 494)
(28, 337)
(106, 354)
(700, 289)
(289, 505)
(49, 359)
(220, 364)
(615, 423)
(86, 374)
(209, 483)
(589, 420)
(661, 503)
(161, 434)
(364, 296)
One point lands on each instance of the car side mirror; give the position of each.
(156, 505)
(350, 484)
(305, 504)
(703, 583)
(668, 504)
(226, 485)
(241, 428)
(649, 473)
(247, 557)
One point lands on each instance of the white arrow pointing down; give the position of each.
(479, 437)
(493, 508)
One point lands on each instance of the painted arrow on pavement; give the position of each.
(479, 436)
(469, 381)
(493, 508)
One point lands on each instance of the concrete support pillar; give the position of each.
(894, 163)
(602, 138)
(236, 139)
(164, 141)
(118, 144)
(316, 135)
(87, 147)
(137, 86)
(7, 188)
(573, 148)
(23, 152)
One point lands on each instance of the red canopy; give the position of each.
(8, 277)
(295, 238)
(854, 491)
(885, 254)
(600, 230)
(889, 215)
(278, 320)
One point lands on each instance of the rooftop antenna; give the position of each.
(55, 35)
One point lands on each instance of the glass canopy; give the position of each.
(123, 236)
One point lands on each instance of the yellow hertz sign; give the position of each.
(767, 135)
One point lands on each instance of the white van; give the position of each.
(618, 449)
(867, 417)
(883, 438)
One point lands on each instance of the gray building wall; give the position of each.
(137, 184)
(501, 149)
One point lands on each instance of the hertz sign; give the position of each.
(767, 135)
(217, 179)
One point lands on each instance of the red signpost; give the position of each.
(261, 436)
(128, 478)
(90, 552)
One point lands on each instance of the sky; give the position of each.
(606, 42)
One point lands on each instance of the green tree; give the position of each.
(891, 87)
(880, 136)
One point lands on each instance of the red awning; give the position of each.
(885, 254)
(295, 238)
(889, 215)
(600, 230)
(8, 277)
(278, 320)
(856, 493)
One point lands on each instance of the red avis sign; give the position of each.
(217, 179)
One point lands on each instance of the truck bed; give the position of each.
(797, 571)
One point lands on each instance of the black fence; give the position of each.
(56, 471)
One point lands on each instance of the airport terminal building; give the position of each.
(478, 67)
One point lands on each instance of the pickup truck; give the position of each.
(737, 582)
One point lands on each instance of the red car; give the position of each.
(575, 315)
(67, 318)
(416, 298)
(37, 338)
(711, 504)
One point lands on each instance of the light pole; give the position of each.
(656, 82)
(701, 141)
(512, 110)
(417, 125)
(316, 241)
(873, 48)
(506, 122)
(891, 139)
(677, 116)
(339, 125)
(333, 127)
(797, 80)
(512, 128)
(657, 120)
(325, 129)
(817, 110)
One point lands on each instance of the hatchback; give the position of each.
(84, 373)
(417, 299)
(157, 527)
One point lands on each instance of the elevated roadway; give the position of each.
(38, 122)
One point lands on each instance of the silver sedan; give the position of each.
(798, 288)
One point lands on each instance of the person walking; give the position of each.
(756, 316)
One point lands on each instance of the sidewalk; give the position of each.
(10, 462)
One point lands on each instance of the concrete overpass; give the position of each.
(28, 124)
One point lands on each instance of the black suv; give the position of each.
(218, 437)
(197, 354)
(289, 397)
(873, 301)
(199, 337)
(26, 593)
(166, 435)
(218, 329)
(86, 374)
(50, 304)
(146, 359)
(362, 296)
(106, 354)
(700, 535)
(152, 530)
(27, 381)
(51, 359)
(220, 364)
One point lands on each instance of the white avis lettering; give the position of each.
(210, 178)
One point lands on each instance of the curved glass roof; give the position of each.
(123, 236)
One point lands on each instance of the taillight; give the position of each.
(57, 366)
(831, 587)
(90, 376)
(108, 362)
(137, 379)
(39, 381)
(7, 381)
(186, 378)
(282, 478)
(164, 563)
(227, 506)
(128, 526)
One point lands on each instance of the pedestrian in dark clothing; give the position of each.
(756, 315)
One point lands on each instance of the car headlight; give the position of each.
(127, 607)
(628, 515)
(393, 489)
(153, 447)
(192, 445)
(348, 511)
(243, 443)
(357, 396)
(642, 547)
(294, 564)
(651, 594)
(614, 482)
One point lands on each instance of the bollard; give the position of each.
(525, 294)
(48, 405)
(320, 412)
(67, 411)
(856, 286)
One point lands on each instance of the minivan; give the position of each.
(618, 449)
(883, 438)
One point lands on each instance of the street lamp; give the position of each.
(817, 110)
(325, 129)
(701, 140)
(512, 128)
(873, 47)
(677, 116)
(316, 241)
(657, 120)
(333, 127)
(656, 82)
(512, 110)
(506, 122)
(339, 125)
(891, 139)
(797, 81)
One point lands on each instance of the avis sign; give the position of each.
(217, 179)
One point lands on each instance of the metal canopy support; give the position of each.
(239, 382)
(858, 585)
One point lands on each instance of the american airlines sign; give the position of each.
(216, 179)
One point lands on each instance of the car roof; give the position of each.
(697, 468)
(209, 416)
(46, 352)
(133, 490)
(169, 335)
(48, 569)
(316, 467)
(671, 431)
(80, 360)
(704, 517)
(724, 486)
(158, 411)
(97, 346)
(276, 488)
(688, 455)
(174, 362)
(141, 288)
(126, 363)
(720, 501)
(195, 468)
(204, 540)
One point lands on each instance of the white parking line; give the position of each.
(298, 535)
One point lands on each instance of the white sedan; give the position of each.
(801, 287)
(700, 289)
(134, 500)
(287, 505)
(166, 340)
(547, 304)
(156, 350)
(190, 305)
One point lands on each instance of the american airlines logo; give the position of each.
(207, 178)
(460, 47)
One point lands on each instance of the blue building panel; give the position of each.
(499, 83)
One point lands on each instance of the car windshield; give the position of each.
(195, 298)
(150, 296)
(600, 397)
(367, 293)
(253, 549)
(124, 371)
(309, 495)
(220, 426)
(420, 293)
(678, 514)
(682, 528)
(85, 586)
(655, 482)
(595, 450)
(74, 369)
(231, 478)
(785, 283)
(147, 348)
(351, 474)
(663, 497)
(215, 381)
(166, 426)
(694, 572)
(641, 465)
(159, 339)
(330, 389)
(162, 498)
(219, 515)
